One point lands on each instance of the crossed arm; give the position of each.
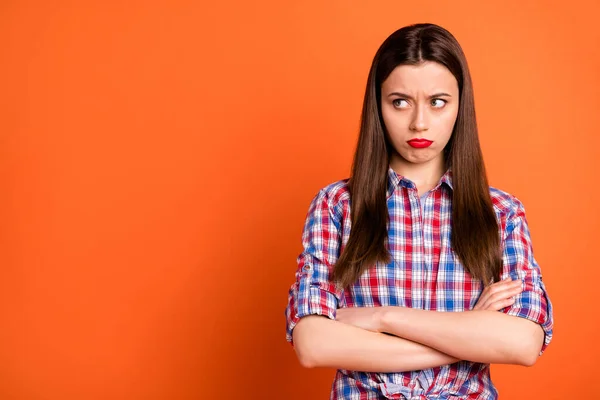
(356, 339)
(321, 342)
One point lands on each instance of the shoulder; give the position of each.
(504, 202)
(507, 206)
(337, 191)
(335, 195)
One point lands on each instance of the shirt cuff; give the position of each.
(310, 298)
(533, 304)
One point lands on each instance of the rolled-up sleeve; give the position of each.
(312, 293)
(533, 302)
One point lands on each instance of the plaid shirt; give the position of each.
(424, 273)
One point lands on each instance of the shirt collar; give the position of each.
(395, 180)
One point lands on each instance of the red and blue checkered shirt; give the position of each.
(424, 273)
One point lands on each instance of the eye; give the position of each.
(397, 103)
(441, 103)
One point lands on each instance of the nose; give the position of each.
(419, 121)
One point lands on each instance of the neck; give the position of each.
(425, 176)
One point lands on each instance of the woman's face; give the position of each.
(419, 105)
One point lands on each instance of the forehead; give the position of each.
(426, 77)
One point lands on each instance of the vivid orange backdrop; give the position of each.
(158, 158)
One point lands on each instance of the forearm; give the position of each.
(321, 342)
(479, 336)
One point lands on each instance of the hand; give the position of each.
(499, 295)
(368, 318)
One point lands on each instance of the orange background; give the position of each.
(158, 158)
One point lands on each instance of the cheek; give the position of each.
(392, 120)
(445, 124)
(448, 117)
(387, 120)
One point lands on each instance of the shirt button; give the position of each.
(307, 268)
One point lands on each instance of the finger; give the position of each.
(505, 294)
(503, 286)
(509, 291)
(499, 290)
(500, 304)
(507, 282)
(517, 282)
(498, 287)
(498, 293)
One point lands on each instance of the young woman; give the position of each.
(415, 274)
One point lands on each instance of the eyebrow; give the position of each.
(442, 94)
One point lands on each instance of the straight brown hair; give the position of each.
(475, 237)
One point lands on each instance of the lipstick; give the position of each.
(420, 143)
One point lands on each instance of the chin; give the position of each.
(422, 156)
(420, 159)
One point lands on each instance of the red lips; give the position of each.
(420, 143)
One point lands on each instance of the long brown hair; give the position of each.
(475, 237)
